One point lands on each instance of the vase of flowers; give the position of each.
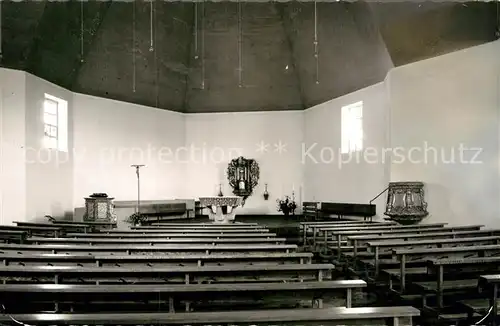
(136, 219)
(287, 206)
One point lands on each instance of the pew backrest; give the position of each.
(200, 259)
(375, 234)
(152, 240)
(395, 244)
(440, 235)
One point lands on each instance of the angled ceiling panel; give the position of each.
(351, 53)
(135, 62)
(243, 60)
(429, 29)
(229, 56)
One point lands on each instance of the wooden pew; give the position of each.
(376, 247)
(487, 284)
(204, 230)
(26, 258)
(191, 235)
(456, 275)
(358, 241)
(35, 230)
(208, 226)
(412, 256)
(317, 229)
(94, 224)
(66, 227)
(339, 234)
(338, 315)
(267, 237)
(305, 227)
(153, 241)
(158, 275)
(164, 249)
(229, 225)
(13, 236)
(332, 231)
(85, 295)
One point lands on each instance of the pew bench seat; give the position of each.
(431, 287)
(476, 306)
(25, 259)
(163, 248)
(32, 294)
(340, 315)
(396, 272)
(152, 241)
(182, 274)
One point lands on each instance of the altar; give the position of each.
(221, 210)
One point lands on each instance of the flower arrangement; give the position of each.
(136, 219)
(287, 205)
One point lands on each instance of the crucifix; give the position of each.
(137, 169)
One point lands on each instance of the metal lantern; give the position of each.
(405, 202)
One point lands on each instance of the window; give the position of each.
(55, 119)
(352, 128)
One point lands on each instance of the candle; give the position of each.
(293, 187)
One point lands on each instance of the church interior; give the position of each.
(249, 162)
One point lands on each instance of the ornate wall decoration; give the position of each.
(243, 176)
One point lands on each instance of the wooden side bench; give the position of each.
(158, 275)
(464, 272)
(25, 259)
(377, 246)
(388, 315)
(31, 294)
(332, 231)
(405, 256)
(359, 241)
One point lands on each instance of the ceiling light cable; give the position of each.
(81, 31)
(316, 55)
(133, 49)
(196, 30)
(1, 52)
(151, 44)
(239, 46)
(203, 45)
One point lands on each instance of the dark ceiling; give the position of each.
(230, 56)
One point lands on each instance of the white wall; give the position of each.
(225, 136)
(110, 135)
(49, 173)
(12, 142)
(445, 102)
(358, 178)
